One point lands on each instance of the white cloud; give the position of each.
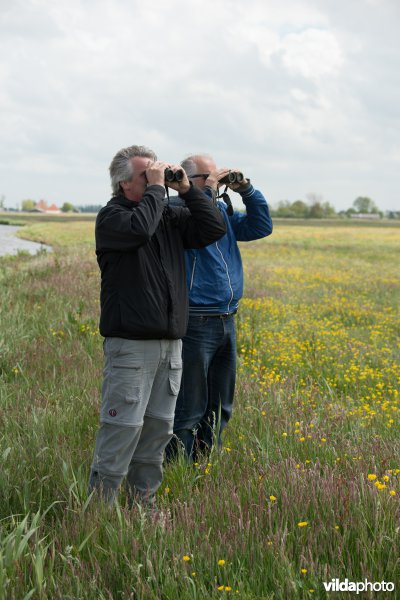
(303, 94)
(313, 54)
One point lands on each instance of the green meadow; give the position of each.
(306, 487)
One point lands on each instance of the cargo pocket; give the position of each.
(175, 374)
(127, 380)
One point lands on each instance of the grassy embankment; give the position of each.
(306, 488)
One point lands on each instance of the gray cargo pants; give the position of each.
(140, 386)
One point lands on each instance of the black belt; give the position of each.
(217, 315)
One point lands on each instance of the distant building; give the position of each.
(53, 209)
(42, 207)
(368, 216)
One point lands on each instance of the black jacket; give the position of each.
(139, 247)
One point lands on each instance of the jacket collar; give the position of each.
(123, 201)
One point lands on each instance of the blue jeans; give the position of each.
(204, 404)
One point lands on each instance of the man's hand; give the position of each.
(155, 172)
(237, 185)
(180, 186)
(214, 177)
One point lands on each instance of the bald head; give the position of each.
(198, 164)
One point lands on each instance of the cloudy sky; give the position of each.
(302, 95)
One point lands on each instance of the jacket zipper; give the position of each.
(193, 269)
(227, 274)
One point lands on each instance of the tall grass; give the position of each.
(306, 487)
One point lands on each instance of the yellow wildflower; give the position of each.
(379, 485)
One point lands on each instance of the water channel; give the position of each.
(11, 244)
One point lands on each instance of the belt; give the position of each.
(216, 315)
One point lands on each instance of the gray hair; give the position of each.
(121, 166)
(189, 163)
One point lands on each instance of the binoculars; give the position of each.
(169, 175)
(232, 177)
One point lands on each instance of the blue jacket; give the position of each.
(214, 274)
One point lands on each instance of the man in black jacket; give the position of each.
(140, 243)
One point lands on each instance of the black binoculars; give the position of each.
(169, 175)
(232, 177)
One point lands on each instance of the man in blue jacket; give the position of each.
(215, 281)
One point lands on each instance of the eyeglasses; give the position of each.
(203, 175)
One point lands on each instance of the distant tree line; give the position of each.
(29, 205)
(90, 208)
(312, 208)
(316, 208)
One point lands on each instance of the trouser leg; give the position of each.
(221, 387)
(129, 371)
(199, 346)
(145, 470)
(115, 446)
(182, 440)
